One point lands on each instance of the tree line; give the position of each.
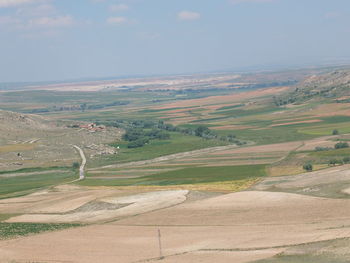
(81, 107)
(140, 132)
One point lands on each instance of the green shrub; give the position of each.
(333, 162)
(346, 160)
(158, 134)
(341, 145)
(319, 149)
(308, 167)
(138, 143)
(201, 131)
(133, 135)
(75, 165)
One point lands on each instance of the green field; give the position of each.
(272, 135)
(156, 148)
(255, 119)
(326, 129)
(193, 175)
(33, 169)
(13, 230)
(20, 185)
(345, 152)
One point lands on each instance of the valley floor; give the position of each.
(217, 174)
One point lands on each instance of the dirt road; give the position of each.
(83, 162)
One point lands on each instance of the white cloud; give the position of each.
(59, 21)
(250, 1)
(9, 21)
(37, 10)
(188, 15)
(118, 7)
(12, 3)
(37, 18)
(117, 20)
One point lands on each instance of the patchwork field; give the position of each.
(203, 168)
(224, 227)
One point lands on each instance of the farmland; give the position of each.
(210, 160)
(22, 183)
(11, 230)
(191, 175)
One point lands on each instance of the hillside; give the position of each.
(333, 85)
(15, 126)
(35, 141)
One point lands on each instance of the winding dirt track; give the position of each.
(83, 163)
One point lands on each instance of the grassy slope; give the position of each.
(12, 186)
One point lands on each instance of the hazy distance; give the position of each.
(44, 40)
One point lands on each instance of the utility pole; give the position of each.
(160, 245)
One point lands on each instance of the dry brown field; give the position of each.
(236, 227)
(224, 99)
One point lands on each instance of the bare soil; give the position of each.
(239, 227)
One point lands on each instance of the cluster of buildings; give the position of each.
(93, 127)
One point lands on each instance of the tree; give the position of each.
(75, 165)
(83, 106)
(341, 145)
(335, 132)
(333, 162)
(205, 132)
(133, 134)
(157, 134)
(138, 143)
(346, 160)
(308, 167)
(318, 149)
(201, 130)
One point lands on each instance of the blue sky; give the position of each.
(65, 39)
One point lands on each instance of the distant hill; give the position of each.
(20, 127)
(334, 85)
(28, 140)
(12, 120)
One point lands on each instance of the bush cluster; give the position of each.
(320, 149)
(341, 145)
(334, 162)
(138, 137)
(308, 167)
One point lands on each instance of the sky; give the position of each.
(43, 40)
